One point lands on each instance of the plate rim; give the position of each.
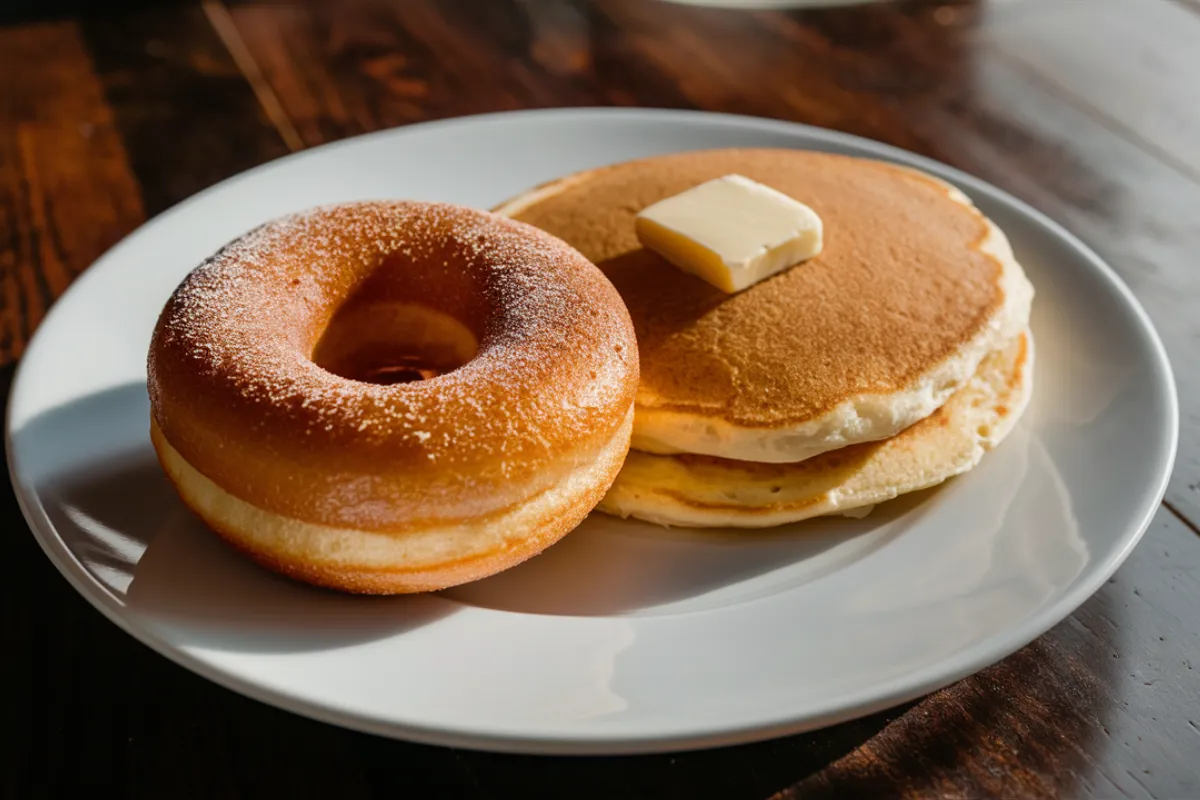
(864, 702)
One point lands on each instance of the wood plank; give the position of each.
(66, 189)
(183, 109)
(1136, 65)
(732, 61)
(367, 64)
(90, 114)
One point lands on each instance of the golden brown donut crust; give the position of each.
(234, 390)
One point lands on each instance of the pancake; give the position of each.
(914, 288)
(702, 491)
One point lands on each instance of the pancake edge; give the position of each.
(674, 508)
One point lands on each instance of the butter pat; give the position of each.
(732, 232)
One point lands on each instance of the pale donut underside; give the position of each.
(365, 562)
(701, 491)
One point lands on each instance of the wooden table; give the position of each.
(1088, 109)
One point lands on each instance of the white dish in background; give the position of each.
(624, 637)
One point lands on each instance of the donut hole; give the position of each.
(393, 342)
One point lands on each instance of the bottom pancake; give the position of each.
(707, 492)
(374, 562)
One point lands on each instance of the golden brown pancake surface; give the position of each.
(901, 286)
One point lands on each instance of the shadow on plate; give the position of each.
(625, 567)
(101, 487)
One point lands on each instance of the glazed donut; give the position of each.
(283, 413)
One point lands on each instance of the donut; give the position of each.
(392, 397)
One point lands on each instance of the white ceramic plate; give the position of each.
(623, 637)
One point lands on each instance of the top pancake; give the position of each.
(913, 289)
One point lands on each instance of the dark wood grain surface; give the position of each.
(1089, 110)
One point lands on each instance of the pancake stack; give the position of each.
(892, 361)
